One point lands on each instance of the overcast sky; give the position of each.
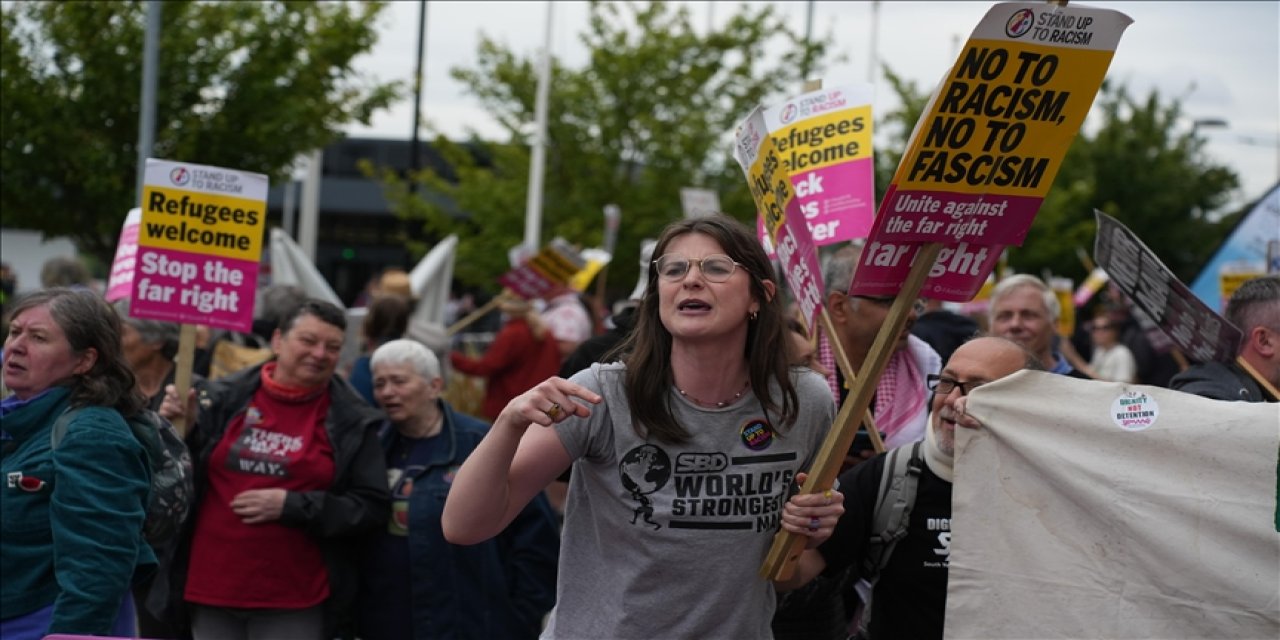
(1222, 59)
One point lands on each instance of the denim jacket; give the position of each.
(500, 588)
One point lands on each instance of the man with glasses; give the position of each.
(1255, 309)
(911, 583)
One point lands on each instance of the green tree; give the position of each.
(245, 85)
(651, 111)
(1144, 166)
(1141, 165)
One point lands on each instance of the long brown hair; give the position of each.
(649, 377)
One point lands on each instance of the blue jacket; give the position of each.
(498, 589)
(74, 541)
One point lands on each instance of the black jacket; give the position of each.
(1218, 381)
(358, 501)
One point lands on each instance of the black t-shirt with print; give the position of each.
(910, 598)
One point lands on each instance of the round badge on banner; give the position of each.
(1134, 411)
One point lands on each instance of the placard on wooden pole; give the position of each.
(779, 564)
(182, 373)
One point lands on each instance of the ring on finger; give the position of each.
(555, 411)
(814, 525)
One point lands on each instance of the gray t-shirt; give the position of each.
(665, 541)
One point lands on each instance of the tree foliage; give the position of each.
(246, 85)
(1145, 167)
(1141, 164)
(650, 112)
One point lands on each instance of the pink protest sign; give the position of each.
(199, 245)
(120, 283)
(957, 275)
(773, 191)
(545, 274)
(823, 140)
(985, 153)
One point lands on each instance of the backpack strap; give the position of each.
(893, 505)
(144, 426)
(60, 425)
(896, 497)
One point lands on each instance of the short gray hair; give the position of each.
(277, 303)
(1014, 282)
(410, 352)
(164, 334)
(64, 271)
(838, 268)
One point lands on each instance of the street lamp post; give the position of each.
(1207, 123)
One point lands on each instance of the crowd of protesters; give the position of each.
(361, 502)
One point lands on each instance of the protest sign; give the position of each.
(546, 273)
(199, 244)
(120, 282)
(985, 153)
(771, 188)
(1061, 288)
(1194, 328)
(596, 262)
(823, 138)
(1093, 283)
(987, 148)
(1142, 531)
(774, 193)
(697, 203)
(1229, 281)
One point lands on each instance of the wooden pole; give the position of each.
(842, 360)
(182, 373)
(1181, 359)
(602, 305)
(1266, 385)
(779, 564)
(477, 314)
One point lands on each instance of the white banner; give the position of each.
(432, 279)
(290, 265)
(1091, 509)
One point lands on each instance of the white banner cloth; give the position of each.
(1105, 510)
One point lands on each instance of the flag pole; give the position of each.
(533, 206)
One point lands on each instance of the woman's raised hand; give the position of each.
(551, 401)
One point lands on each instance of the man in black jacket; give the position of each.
(1255, 309)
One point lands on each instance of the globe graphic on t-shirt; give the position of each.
(645, 469)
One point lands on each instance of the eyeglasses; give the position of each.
(887, 301)
(715, 268)
(944, 385)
